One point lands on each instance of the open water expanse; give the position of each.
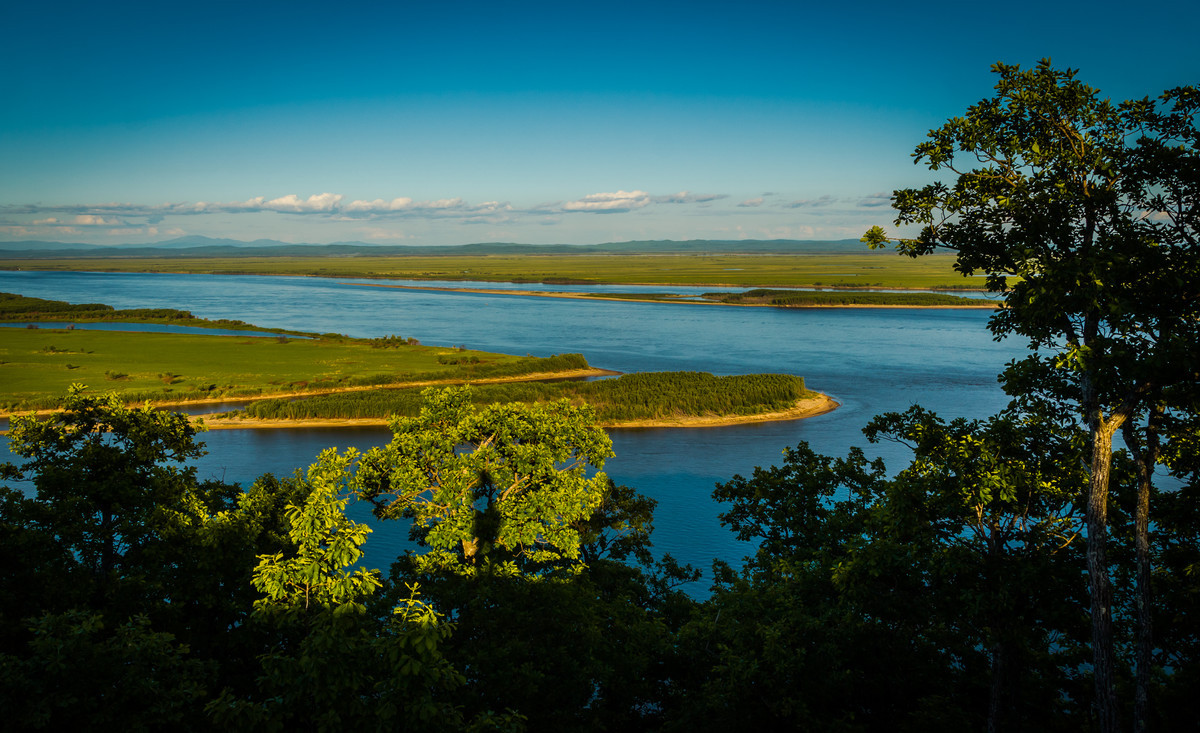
(870, 360)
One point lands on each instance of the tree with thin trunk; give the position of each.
(1082, 213)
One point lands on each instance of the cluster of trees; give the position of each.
(647, 396)
(1021, 572)
(135, 596)
(1084, 213)
(392, 341)
(654, 395)
(14, 307)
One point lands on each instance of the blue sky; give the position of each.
(450, 123)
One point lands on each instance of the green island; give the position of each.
(364, 380)
(761, 297)
(19, 308)
(647, 399)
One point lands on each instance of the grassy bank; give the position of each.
(37, 365)
(866, 269)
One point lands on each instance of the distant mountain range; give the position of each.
(197, 246)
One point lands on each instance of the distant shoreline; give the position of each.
(591, 296)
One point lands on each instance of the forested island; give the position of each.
(332, 379)
(656, 399)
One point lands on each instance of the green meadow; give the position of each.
(37, 365)
(866, 269)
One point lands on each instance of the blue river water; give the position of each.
(869, 360)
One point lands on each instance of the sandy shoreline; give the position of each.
(590, 296)
(808, 407)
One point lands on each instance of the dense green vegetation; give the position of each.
(651, 396)
(858, 270)
(37, 365)
(14, 307)
(1009, 577)
(810, 299)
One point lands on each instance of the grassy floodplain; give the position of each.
(37, 365)
(658, 397)
(867, 269)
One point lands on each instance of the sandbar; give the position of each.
(681, 300)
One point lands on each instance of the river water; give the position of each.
(870, 360)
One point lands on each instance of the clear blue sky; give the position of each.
(457, 122)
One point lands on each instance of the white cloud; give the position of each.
(609, 203)
(94, 220)
(454, 203)
(291, 203)
(322, 203)
(42, 222)
(379, 205)
(751, 203)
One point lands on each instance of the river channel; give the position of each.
(870, 360)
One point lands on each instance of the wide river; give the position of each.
(870, 360)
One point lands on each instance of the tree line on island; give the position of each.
(1022, 572)
(644, 396)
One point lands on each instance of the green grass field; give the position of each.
(37, 365)
(868, 269)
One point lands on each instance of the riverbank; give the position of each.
(536, 377)
(818, 404)
(634, 299)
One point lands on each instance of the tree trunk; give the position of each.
(1146, 456)
(998, 702)
(1098, 580)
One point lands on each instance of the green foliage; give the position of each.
(931, 589)
(646, 396)
(80, 675)
(15, 307)
(392, 342)
(19, 307)
(328, 664)
(104, 483)
(496, 490)
(1091, 205)
(326, 542)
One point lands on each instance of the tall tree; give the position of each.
(939, 595)
(500, 489)
(1082, 213)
